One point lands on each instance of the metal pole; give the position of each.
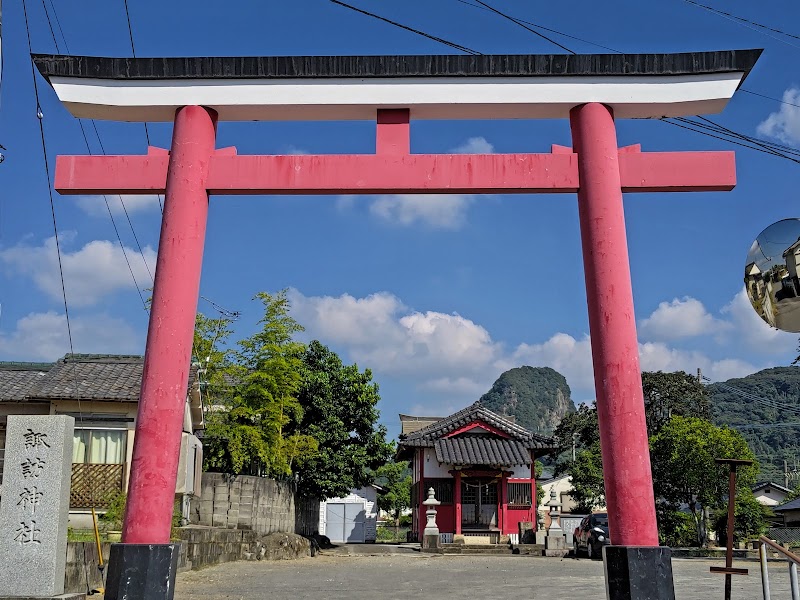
(612, 324)
(762, 554)
(731, 515)
(793, 580)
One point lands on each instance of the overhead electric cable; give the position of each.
(769, 97)
(757, 27)
(738, 139)
(40, 119)
(146, 128)
(743, 20)
(411, 29)
(538, 26)
(122, 203)
(105, 198)
(523, 25)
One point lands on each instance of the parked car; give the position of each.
(591, 535)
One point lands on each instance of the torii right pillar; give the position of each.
(636, 567)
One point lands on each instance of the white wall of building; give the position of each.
(368, 497)
(770, 496)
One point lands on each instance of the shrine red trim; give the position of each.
(482, 425)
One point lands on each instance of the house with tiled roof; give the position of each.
(101, 392)
(480, 465)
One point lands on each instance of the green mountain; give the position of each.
(770, 398)
(537, 397)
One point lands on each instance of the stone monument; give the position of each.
(430, 537)
(555, 544)
(35, 505)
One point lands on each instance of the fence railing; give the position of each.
(790, 557)
(95, 485)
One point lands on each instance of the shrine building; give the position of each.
(480, 465)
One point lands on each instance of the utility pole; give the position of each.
(785, 474)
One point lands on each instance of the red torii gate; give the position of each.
(595, 168)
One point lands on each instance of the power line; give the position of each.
(769, 97)
(732, 137)
(771, 403)
(125, 210)
(411, 29)
(523, 25)
(742, 20)
(146, 128)
(40, 119)
(89, 150)
(538, 26)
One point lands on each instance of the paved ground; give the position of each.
(788, 314)
(401, 576)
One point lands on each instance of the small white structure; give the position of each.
(352, 519)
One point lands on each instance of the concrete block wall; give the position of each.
(244, 502)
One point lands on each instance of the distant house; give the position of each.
(770, 493)
(789, 512)
(352, 518)
(479, 465)
(102, 393)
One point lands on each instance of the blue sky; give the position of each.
(436, 295)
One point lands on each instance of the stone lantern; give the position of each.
(555, 514)
(430, 537)
(555, 544)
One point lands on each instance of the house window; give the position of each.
(519, 494)
(99, 446)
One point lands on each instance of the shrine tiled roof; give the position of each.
(481, 450)
(427, 436)
(100, 377)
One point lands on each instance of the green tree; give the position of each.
(395, 481)
(684, 472)
(248, 434)
(794, 494)
(586, 471)
(667, 394)
(338, 408)
(538, 469)
(749, 518)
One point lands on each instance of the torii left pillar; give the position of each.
(144, 565)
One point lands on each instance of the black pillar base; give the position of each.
(638, 573)
(142, 571)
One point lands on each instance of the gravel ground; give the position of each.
(432, 577)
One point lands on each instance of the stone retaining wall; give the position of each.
(244, 502)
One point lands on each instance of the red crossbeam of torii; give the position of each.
(393, 169)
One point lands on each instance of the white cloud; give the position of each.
(443, 352)
(474, 145)
(659, 357)
(438, 211)
(94, 206)
(784, 124)
(452, 356)
(562, 352)
(94, 271)
(43, 336)
(681, 318)
(753, 332)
